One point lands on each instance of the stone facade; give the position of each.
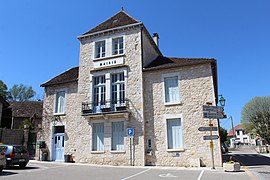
(146, 110)
(196, 87)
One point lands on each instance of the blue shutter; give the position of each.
(98, 137)
(174, 134)
(118, 136)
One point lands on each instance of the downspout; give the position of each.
(144, 153)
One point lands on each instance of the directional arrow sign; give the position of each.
(213, 137)
(207, 128)
(213, 115)
(213, 108)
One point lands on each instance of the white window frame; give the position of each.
(170, 117)
(95, 147)
(101, 94)
(57, 103)
(118, 147)
(118, 49)
(118, 85)
(170, 75)
(101, 48)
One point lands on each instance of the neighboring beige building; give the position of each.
(124, 82)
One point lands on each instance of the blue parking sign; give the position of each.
(130, 132)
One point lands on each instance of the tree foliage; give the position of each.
(223, 135)
(256, 116)
(3, 90)
(21, 92)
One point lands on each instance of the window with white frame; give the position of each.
(60, 102)
(174, 134)
(98, 137)
(117, 46)
(118, 88)
(100, 49)
(171, 89)
(118, 136)
(99, 91)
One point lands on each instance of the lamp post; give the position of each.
(222, 101)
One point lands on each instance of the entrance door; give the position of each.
(59, 146)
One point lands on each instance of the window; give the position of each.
(174, 134)
(98, 137)
(118, 136)
(118, 88)
(60, 102)
(100, 49)
(117, 46)
(171, 89)
(99, 92)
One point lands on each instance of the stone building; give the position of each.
(124, 82)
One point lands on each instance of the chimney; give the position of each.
(155, 38)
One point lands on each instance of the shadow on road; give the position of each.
(7, 173)
(248, 159)
(19, 168)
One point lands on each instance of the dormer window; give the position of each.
(117, 46)
(100, 49)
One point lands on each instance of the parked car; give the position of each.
(15, 155)
(2, 160)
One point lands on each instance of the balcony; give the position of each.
(105, 108)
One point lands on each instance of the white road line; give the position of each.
(200, 176)
(136, 174)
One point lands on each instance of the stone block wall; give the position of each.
(196, 88)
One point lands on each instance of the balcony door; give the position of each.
(118, 90)
(99, 93)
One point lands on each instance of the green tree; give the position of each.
(223, 134)
(3, 90)
(256, 116)
(21, 92)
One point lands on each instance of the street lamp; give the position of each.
(222, 100)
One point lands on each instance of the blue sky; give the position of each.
(38, 39)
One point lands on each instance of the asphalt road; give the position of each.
(248, 158)
(253, 166)
(54, 171)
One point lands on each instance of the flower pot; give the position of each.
(231, 167)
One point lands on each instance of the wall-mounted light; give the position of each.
(55, 119)
(222, 101)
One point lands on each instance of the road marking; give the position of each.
(200, 176)
(250, 174)
(136, 174)
(167, 175)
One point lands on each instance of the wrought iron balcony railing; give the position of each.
(108, 106)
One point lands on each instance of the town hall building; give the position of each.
(128, 104)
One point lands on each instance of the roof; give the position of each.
(118, 20)
(26, 109)
(70, 75)
(232, 133)
(162, 62)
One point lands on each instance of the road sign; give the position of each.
(213, 115)
(207, 128)
(213, 108)
(213, 137)
(130, 132)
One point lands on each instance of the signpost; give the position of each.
(213, 112)
(213, 137)
(130, 133)
(208, 128)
